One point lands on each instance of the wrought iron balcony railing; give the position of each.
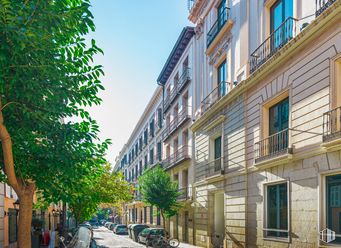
(184, 79)
(322, 5)
(332, 124)
(174, 91)
(277, 39)
(178, 120)
(185, 193)
(273, 146)
(177, 157)
(216, 94)
(183, 116)
(218, 25)
(214, 168)
(167, 102)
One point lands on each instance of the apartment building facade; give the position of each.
(267, 123)
(176, 80)
(143, 151)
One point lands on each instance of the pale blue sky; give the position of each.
(137, 37)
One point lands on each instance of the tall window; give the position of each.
(159, 117)
(145, 136)
(277, 210)
(151, 127)
(279, 12)
(217, 154)
(151, 156)
(333, 205)
(145, 162)
(151, 215)
(279, 117)
(141, 169)
(222, 75)
(221, 14)
(159, 150)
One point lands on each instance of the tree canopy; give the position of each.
(158, 189)
(47, 78)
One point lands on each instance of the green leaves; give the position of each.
(158, 189)
(47, 78)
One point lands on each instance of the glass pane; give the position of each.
(279, 117)
(334, 205)
(217, 148)
(277, 209)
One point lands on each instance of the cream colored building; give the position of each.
(267, 159)
(176, 79)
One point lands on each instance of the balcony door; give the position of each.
(217, 154)
(222, 75)
(282, 32)
(333, 204)
(278, 126)
(221, 14)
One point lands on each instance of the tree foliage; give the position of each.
(106, 189)
(158, 189)
(47, 78)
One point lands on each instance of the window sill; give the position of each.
(282, 240)
(274, 161)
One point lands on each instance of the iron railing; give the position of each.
(214, 168)
(277, 39)
(332, 124)
(218, 25)
(185, 193)
(183, 116)
(273, 146)
(184, 79)
(174, 91)
(216, 94)
(177, 157)
(176, 122)
(166, 102)
(322, 5)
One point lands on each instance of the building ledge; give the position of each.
(332, 145)
(281, 159)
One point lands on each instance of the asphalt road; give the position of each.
(107, 239)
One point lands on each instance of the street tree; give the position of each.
(106, 189)
(158, 189)
(47, 77)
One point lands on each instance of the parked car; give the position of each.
(112, 226)
(149, 234)
(107, 224)
(86, 224)
(136, 229)
(121, 229)
(130, 231)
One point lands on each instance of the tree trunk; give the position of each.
(25, 218)
(163, 220)
(24, 190)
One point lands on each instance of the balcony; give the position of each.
(217, 26)
(215, 95)
(274, 146)
(277, 39)
(332, 125)
(177, 122)
(185, 194)
(214, 168)
(179, 156)
(167, 102)
(184, 79)
(322, 5)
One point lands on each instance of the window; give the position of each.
(217, 153)
(222, 75)
(279, 12)
(136, 149)
(151, 127)
(333, 205)
(141, 169)
(145, 136)
(132, 174)
(158, 218)
(221, 11)
(277, 210)
(279, 117)
(145, 214)
(159, 150)
(151, 156)
(136, 170)
(145, 162)
(151, 215)
(159, 117)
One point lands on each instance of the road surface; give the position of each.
(107, 239)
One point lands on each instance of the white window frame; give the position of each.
(265, 211)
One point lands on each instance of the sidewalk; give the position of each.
(185, 245)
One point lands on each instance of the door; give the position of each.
(222, 75)
(186, 228)
(333, 206)
(217, 154)
(12, 225)
(278, 123)
(176, 226)
(219, 220)
(221, 14)
(282, 32)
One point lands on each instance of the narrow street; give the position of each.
(107, 239)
